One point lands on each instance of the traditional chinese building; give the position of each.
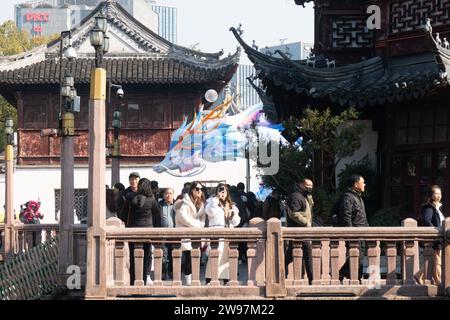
(162, 83)
(395, 76)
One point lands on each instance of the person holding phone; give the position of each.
(222, 213)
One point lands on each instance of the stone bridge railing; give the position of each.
(391, 258)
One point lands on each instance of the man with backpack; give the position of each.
(299, 214)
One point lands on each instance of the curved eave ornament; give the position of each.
(442, 53)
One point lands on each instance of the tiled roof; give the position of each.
(375, 81)
(126, 70)
(146, 58)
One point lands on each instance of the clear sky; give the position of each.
(207, 22)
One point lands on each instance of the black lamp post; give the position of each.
(67, 95)
(99, 40)
(9, 211)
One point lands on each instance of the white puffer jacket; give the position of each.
(187, 216)
(216, 214)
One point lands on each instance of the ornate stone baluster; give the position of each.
(334, 261)
(354, 248)
(373, 254)
(21, 241)
(391, 253)
(409, 263)
(251, 267)
(119, 257)
(326, 279)
(176, 260)
(138, 264)
(38, 237)
(195, 256)
(157, 263)
(214, 263)
(428, 262)
(233, 258)
(297, 263)
(29, 240)
(316, 255)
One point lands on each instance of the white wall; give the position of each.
(32, 182)
(369, 142)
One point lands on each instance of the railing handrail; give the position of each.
(35, 227)
(193, 234)
(363, 233)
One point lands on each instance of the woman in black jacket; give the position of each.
(432, 216)
(143, 211)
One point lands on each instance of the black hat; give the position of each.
(134, 174)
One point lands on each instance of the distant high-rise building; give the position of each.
(167, 22)
(240, 86)
(48, 17)
(295, 50)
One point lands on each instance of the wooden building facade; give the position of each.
(162, 83)
(396, 77)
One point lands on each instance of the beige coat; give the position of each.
(187, 216)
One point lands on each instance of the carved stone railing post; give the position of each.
(176, 260)
(316, 256)
(119, 261)
(257, 267)
(297, 264)
(391, 253)
(195, 256)
(335, 266)
(373, 255)
(325, 252)
(446, 257)
(234, 257)
(157, 264)
(409, 263)
(411, 223)
(138, 264)
(275, 268)
(354, 248)
(429, 264)
(214, 263)
(251, 264)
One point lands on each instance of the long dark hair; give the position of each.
(112, 199)
(197, 202)
(144, 187)
(227, 200)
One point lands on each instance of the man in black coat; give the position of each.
(128, 194)
(352, 212)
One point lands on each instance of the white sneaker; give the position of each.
(148, 281)
(188, 279)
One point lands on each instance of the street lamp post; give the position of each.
(116, 124)
(96, 233)
(115, 154)
(67, 131)
(9, 188)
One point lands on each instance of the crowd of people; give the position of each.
(139, 205)
(227, 206)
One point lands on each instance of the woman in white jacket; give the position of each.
(190, 213)
(222, 213)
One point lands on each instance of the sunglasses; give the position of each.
(198, 188)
